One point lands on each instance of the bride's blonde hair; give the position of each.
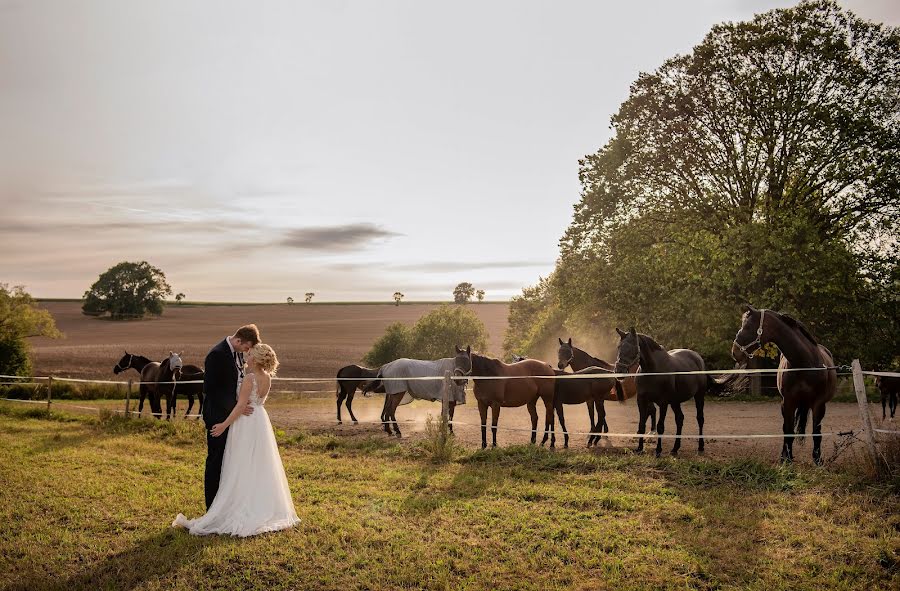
(265, 358)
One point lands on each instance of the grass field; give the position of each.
(86, 503)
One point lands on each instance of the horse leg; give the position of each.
(884, 400)
(143, 396)
(341, 395)
(679, 423)
(385, 417)
(482, 411)
(893, 404)
(200, 406)
(549, 423)
(590, 405)
(601, 420)
(699, 399)
(562, 422)
(349, 404)
(817, 414)
(642, 423)
(190, 398)
(395, 402)
(660, 427)
(788, 410)
(495, 416)
(532, 410)
(452, 411)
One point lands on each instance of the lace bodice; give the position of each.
(255, 398)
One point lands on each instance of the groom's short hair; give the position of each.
(248, 333)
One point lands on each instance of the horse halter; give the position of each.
(758, 342)
(130, 359)
(460, 373)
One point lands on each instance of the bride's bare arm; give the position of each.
(238, 410)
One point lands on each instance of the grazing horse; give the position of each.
(801, 391)
(402, 387)
(889, 386)
(149, 370)
(513, 392)
(350, 378)
(570, 356)
(662, 390)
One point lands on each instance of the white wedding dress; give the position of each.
(253, 495)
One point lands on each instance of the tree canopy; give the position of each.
(20, 318)
(762, 167)
(463, 293)
(128, 290)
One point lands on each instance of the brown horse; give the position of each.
(172, 372)
(801, 391)
(889, 386)
(590, 390)
(149, 371)
(569, 355)
(513, 392)
(350, 378)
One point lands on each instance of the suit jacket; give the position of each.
(219, 384)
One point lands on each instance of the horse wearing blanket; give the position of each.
(403, 388)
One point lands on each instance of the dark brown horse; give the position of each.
(592, 391)
(350, 378)
(569, 355)
(662, 390)
(148, 370)
(889, 386)
(177, 378)
(801, 391)
(517, 391)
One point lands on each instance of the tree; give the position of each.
(762, 167)
(393, 344)
(290, 301)
(480, 295)
(20, 318)
(127, 290)
(309, 296)
(463, 292)
(397, 297)
(179, 297)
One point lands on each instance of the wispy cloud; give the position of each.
(445, 266)
(335, 238)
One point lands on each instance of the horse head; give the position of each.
(175, 361)
(462, 364)
(629, 350)
(124, 363)
(565, 354)
(751, 336)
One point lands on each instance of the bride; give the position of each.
(253, 495)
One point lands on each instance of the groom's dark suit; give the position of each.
(220, 386)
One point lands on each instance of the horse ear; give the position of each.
(570, 341)
(631, 330)
(468, 349)
(621, 332)
(749, 308)
(456, 348)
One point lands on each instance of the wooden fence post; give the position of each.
(128, 400)
(49, 391)
(445, 401)
(859, 387)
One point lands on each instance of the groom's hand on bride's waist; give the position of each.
(248, 410)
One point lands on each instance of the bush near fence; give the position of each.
(65, 391)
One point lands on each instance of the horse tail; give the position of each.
(718, 387)
(620, 393)
(800, 419)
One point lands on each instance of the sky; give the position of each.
(259, 150)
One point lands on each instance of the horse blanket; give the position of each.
(421, 389)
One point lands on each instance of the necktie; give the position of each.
(239, 363)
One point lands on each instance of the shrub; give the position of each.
(394, 344)
(14, 359)
(436, 333)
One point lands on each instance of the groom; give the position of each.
(224, 368)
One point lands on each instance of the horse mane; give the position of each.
(484, 365)
(586, 354)
(796, 324)
(140, 358)
(649, 342)
(596, 361)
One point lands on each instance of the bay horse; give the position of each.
(148, 370)
(349, 378)
(569, 355)
(402, 386)
(662, 390)
(593, 391)
(517, 391)
(801, 391)
(174, 370)
(889, 386)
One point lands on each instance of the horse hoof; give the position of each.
(355, 422)
(340, 422)
(658, 454)
(674, 453)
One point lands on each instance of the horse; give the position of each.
(172, 372)
(507, 392)
(889, 386)
(570, 356)
(148, 370)
(662, 390)
(403, 387)
(801, 391)
(593, 391)
(350, 378)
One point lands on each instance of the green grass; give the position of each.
(86, 503)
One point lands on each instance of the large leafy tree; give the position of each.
(20, 318)
(463, 292)
(764, 166)
(128, 290)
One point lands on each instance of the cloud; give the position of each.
(335, 238)
(444, 266)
